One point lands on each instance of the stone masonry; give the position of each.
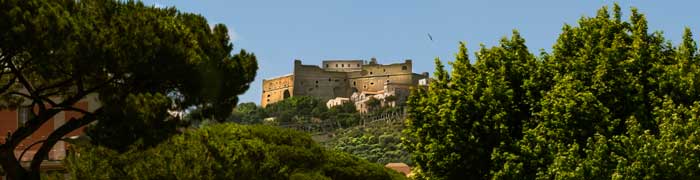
(342, 79)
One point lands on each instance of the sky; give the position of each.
(278, 32)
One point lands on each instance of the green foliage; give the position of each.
(226, 151)
(143, 115)
(140, 61)
(296, 109)
(378, 143)
(612, 101)
(248, 113)
(302, 107)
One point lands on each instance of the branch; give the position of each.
(62, 83)
(36, 122)
(8, 85)
(56, 135)
(23, 80)
(20, 94)
(71, 108)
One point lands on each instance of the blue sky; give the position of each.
(313, 30)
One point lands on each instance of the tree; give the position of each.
(248, 113)
(373, 103)
(55, 53)
(611, 101)
(300, 107)
(226, 151)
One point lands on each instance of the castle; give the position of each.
(340, 81)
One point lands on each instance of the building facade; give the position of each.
(12, 119)
(341, 79)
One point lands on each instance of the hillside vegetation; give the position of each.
(377, 142)
(226, 151)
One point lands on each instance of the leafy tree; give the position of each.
(373, 103)
(226, 151)
(301, 107)
(611, 101)
(139, 60)
(248, 113)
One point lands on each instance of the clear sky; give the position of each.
(391, 30)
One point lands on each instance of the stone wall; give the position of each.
(341, 78)
(342, 65)
(277, 89)
(314, 81)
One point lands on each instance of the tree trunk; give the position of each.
(13, 169)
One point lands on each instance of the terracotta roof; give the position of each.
(400, 167)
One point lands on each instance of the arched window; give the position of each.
(286, 94)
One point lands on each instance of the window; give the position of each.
(358, 65)
(384, 70)
(329, 79)
(268, 95)
(342, 65)
(387, 81)
(370, 73)
(326, 65)
(404, 68)
(317, 82)
(372, 83)
(353, 83)
(336, 65)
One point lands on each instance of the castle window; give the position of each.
(404, 68)
(336, 65)
(384, 70)
(353, 83)
(268, 95)
(329, 79)
(387, 81)
(358, 65)
(342, 65)
(326, 65)
(370, 73)
(371, 83)
(317, 82)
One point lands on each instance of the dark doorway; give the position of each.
(286, 94)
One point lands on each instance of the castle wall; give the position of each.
(373, 77)
(314, 81)
(341, 78)
(277, 89)
(342, 65)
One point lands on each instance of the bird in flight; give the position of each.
(430, 37)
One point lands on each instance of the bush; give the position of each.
(226, 151)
